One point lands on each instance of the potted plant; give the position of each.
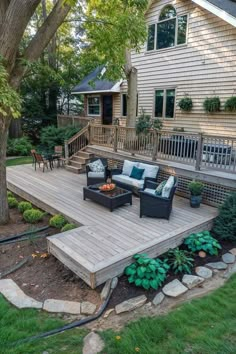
(196, 189)
(186, 104)
(212, 104)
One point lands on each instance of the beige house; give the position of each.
(190, 51)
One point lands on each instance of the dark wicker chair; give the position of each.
(97, 177)
(155, 205)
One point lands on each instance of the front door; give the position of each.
(107, 110)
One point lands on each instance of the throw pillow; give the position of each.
(128, 166)
(137, 173)
(168, 186)
(96, 166)
(160, 187)
(150, 170)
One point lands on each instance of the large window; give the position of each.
(165, 103)
(94, 106)
(170, 31)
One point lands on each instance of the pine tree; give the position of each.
(225, 223)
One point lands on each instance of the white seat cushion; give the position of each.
(128, 166)
(128, 180)
(168, 186)
(150, 191)
(149, 170)
(96, 174)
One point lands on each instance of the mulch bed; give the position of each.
(44, 278)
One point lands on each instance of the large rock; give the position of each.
(87, 308)
(11, 291)
(230, 271)
(233, 251)
(203, 272)
(228, 258)
(106, 290)
(131, 304)
(158, 299)
(192, 280)
(93, 344)
(71, 307)
(217, 265)
(174, 288)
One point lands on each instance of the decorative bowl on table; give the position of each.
(107, 187)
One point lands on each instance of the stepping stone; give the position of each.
(192, 280)
(71, 307)
(158, 299)
(228, 258)
(11, 291)
(93, 344)
(131, 304)
(230, 271)
(233, 251)
(217, 265)
(174, 288)
(203, 272)
(106, 290)
(87, 308)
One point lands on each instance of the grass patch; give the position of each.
(19, 161)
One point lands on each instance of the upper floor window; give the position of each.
(170, 31)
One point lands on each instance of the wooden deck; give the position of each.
(105, 242)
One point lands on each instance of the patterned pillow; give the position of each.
(96, 166)
(160, 187)
(168, 186)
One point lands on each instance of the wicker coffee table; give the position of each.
(110, 200)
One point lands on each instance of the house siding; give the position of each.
(205, 67)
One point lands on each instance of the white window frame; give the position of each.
(94, 96)
(164, 102)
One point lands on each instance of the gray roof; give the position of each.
(92, 83)
(228, 6)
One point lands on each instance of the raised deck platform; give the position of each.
(105, 243)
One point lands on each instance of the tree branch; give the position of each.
(3, 8)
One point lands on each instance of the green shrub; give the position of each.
(9, 194)
(23, 206)
(145, 123)
(212, 104)
(186, 104)
(68, 227)
(12, 202)
(180, 261)
(19, 147)
(230, 104)
(32, 216)
(196, 188)
(225, 224)
(203, 241)
(57, 221)
(52, 136)
(147, 272)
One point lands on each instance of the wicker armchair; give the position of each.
(97, 177)
(155, 205)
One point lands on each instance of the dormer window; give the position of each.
(170, 31)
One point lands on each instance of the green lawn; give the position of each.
(19, 161)
(203, 326)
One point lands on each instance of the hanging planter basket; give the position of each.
(212, 104)
(230, 104)
(186, 104)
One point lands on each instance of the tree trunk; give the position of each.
(132, 80)
(15, 130)
(4, 212)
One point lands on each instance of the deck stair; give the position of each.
(78, 162)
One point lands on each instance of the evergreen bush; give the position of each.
(225, 224)
(23, 206)
(12, 202)
(68, 227)
(52, 136)
(32, 216)
(57, 221)
(19, 147)
(145, 123)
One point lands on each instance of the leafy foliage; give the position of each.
(19, 147)
(202, 241)
(12, 202)
(225, 223)
(212, 104)
(57, 221)
(147, 272)
(68, 227)
(23, 206)
(186, 104)
(180, 261)
(144, 123)
(9, 194)
(196, 188)
(32, 216)
(230, 104)
(52, 136)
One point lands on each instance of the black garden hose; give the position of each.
(19, 236)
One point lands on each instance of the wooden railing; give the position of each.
(76, 121)
(78, 142)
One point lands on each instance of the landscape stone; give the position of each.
(108, 312)
(203, 272)
(230, 271)
(93, 344)
(158, 299)
(233, 251)
(174, 288)
(192, 280)
(11, 291)
(217, 265)
(228, 258)
(131, 304)
(87, 308)
(71, 307)
(106, 290)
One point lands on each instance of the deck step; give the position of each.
(84, 154)
(80, 159)
(74, 169)
(76, 164)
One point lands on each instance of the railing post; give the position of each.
(115, 139)
(89, 134)
(199, 152)
(66, 151)
(155, 145)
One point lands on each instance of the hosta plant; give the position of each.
(203, 241)
(180, 261)
(147, 272)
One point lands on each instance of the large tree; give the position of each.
(15, 16)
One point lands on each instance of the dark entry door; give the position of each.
(107, 109)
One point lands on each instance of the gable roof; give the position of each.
(225, 9)
(93, 83)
